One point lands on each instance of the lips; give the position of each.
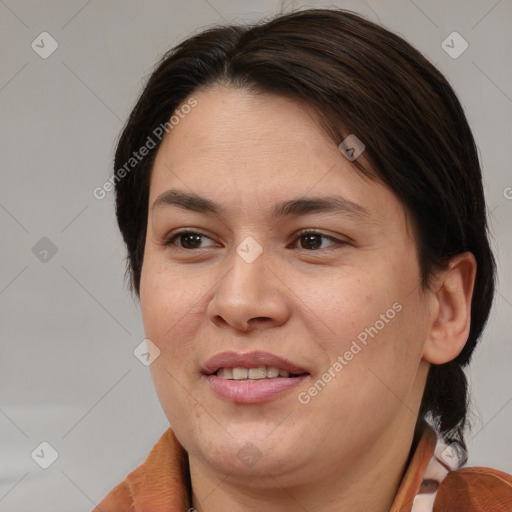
(235, 377)
(256, 359)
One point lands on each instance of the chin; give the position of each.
(253, 450)
(251, 465)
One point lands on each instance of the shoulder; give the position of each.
(161, 480)
(119, 498)
(475, 490)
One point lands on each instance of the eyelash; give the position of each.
(305, 232)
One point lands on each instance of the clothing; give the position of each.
(161, 483)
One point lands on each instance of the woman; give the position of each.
(303, 210)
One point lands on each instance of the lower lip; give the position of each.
(253, 392)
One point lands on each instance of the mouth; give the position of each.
(253, 377)
(254, 365)
(254, 374)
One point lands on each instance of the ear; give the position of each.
(452, 291)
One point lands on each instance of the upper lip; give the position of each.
(253, 359)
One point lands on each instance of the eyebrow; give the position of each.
(298, 207)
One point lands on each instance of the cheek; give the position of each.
(377, 329)
(167, 306)
(355, 307)
(170, 307)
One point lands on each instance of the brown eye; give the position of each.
(186, 239)
(189, 240)
(312, 240)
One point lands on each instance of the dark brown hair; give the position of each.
(362, 79)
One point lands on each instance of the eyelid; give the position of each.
(313, 231)
(168, 241)
(194, 231)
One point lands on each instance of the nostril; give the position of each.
(258, 320)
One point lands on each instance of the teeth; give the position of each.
(240, 373)
(225, 373)
(259, 373)
(272, 372)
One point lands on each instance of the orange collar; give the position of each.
(162, 483)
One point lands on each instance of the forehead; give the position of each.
(238, 148)
(257, 126)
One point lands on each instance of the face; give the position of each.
(267, 253)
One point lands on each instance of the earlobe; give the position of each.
(451, 312)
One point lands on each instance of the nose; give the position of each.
(249, 296)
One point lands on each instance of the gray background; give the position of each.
(68, 327)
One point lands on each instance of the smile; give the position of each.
(252, 374)
(251, 377)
